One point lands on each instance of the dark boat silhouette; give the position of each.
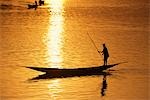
(65, 72)
(49, 76)
(32, 6)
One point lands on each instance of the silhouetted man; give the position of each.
(41, 2)
(106, 54)
(36, 4)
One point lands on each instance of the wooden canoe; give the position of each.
(70, 72)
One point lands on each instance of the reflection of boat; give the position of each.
(64, 72)
(49, 76)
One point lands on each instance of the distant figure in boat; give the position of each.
(36, 3)
(105, 54)
(33, 5)
(41, 2)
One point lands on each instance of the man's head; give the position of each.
(104, 45)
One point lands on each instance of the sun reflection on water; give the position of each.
(55, 43)
(55, 89)
(54, 35)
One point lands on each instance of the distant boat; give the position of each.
(32, 6)
(68, 72)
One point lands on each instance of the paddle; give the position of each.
(94, 44)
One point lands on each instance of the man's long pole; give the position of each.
(93, 43)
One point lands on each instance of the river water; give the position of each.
(55, 35)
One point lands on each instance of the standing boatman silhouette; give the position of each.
(105, 54)
(35, 6)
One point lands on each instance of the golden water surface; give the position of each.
(55, 35)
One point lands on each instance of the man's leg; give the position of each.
(104, 61)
